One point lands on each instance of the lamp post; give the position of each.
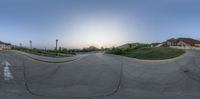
(30, 44)
(56, 46)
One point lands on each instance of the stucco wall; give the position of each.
(198, 45)
(4, 47)
(180, 43)
(193, 48)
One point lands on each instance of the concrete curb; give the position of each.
(43, 60)
(151, 61)
(164, 60)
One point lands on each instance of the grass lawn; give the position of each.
(155, 53)
(44, 53)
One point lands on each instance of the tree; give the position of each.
(93, 48)
(65, 50)
(60, 50)
(130, 46)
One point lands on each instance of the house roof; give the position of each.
(189, 41)
(185, 40)
(4, 43)
(173, 40)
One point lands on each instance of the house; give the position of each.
(172, 42)
(183, 42)
(5, 46)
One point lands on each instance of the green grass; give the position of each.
(49, 53)
(154, 53)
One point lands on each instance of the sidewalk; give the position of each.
(48, 59)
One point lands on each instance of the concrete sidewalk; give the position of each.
(48, 59)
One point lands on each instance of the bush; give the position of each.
(118, 51)
(89, 49)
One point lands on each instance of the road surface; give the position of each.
(99, 76)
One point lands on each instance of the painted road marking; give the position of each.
(7, 73)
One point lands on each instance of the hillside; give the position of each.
(128, 44)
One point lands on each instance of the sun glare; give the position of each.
(100, 33)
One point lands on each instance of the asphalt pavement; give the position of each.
(99, 76)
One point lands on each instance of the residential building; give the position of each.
(5, 46)
(183, 42)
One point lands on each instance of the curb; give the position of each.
(47, 61)
(150, 61)
(164, 60)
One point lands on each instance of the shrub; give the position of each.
(118, 51)
(89, 49)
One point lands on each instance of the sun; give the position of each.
(99, 46)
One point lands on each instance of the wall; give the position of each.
(193, 48)
(4, 47)
(180, 43)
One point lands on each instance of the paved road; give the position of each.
(99, 76)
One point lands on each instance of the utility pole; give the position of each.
(30, 44)
(56, 46)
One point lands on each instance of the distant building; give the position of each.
(5, 46)
(183, 42)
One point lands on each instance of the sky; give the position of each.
(107, 23)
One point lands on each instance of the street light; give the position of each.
(30, 44)
(56, 46)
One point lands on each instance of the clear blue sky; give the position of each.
(80, 23)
